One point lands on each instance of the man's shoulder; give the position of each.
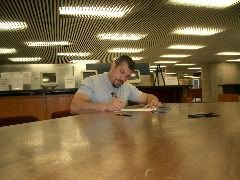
(94, 79)
(98, 77)
(128, 85)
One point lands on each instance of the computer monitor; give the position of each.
(48, 79)
(135, 77)
(87, 73)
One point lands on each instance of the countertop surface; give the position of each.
(37, 92)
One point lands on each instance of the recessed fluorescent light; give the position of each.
(171, 73)
(156, 66)
(195, 68)
(81, 61)
(126, 50)
(197, 31)
(175, 55)
(166, 62)
(183, 64)
(10, 25)
(120, 37)
(82, 54)
(102, 12)
(49, 43)
(136, 58)
(193, 77)
(7, 50)
(27, 59)
(233, 60)
(218, 4)
(181, 46)
(229, 53)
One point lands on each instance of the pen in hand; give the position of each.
(114, 94)
(117, 104)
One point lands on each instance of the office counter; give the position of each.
(170, 94)
(42, 103)
(230, 88)
(143, 146)
(37, 92)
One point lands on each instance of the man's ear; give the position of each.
(113, 64)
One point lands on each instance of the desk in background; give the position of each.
(143, 146)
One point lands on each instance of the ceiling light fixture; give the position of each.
(136, 58)
(7, 50)
(195, 68)
(182, 46)
(102, 12)
(81, 54)
(154, 66)
(25, 59)
(184, 64)
(217, 4)
(48, 43)
(197, 31)
(120, 37)
(233, 60)
(175, 55)
(152, 69)
(10, 25)
(229, 53)
(166, 62)
(171, 73)
(85, 61)
(193, 77)
(125, 50)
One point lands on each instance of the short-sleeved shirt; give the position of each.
(99, 88)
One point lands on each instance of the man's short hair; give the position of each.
(127, 59)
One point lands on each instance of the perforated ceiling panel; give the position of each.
(156, 19)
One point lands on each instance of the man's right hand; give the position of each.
(115, 105)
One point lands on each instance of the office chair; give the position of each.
(7, 121)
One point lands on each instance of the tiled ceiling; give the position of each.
(155, 18)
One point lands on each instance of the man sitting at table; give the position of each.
(110, 91)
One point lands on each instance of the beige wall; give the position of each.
(214, 74)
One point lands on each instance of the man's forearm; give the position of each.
(150, 98)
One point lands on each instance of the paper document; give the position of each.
(139, 109)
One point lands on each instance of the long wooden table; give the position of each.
(144, 146)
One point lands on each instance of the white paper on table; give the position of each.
(139, 109)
